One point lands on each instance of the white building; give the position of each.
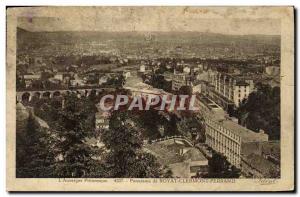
(229, 90)
(142, 68)
(187, 70)
(228, 137)
(59, 76)
(102, 120)
(144, 90)
(223, 134)
(30, 78)
(77, 81)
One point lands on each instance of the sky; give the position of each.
(146, 19)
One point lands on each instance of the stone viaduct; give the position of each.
(28, 95)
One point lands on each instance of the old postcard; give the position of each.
(150, 99)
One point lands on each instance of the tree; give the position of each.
(47, 109)
(262, 111)
(123, 141)
(161, 69)
(34, 158)
(219, 167)
(192, 128)
(125, 157)
(118, 81)
(158, 81)
(150, 129)
(73, 126)
(185, 90)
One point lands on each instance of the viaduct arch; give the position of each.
(28, 95)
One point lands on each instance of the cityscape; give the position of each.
(62, 132)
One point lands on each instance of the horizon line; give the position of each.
(137, 31)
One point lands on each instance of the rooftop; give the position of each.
(168, 152)
(220, 118)
(247, 135)
(143, 87)
(176, 154)
(194, 154)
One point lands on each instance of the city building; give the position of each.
(144, 90)
(224, 134)
(229, 91)
(228, 137)
(102, 120)
(187, 70)
(77, 81)
(59, 76)
(180, 80)
(30, 78)
(142, 68)
(184, 160)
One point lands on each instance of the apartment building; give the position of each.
(224, 134)
(229, 90)
(228, 137)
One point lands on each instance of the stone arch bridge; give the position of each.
(28, 95)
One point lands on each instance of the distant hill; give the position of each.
(143, 36)
(137, 40)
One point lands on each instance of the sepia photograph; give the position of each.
(150, 98)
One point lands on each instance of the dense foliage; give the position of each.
(126, 157)
(219, 167)
(63, 150)
(60, 151)
(75, 123)
(262, 111)
(33, 158)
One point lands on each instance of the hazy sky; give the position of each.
(145, 19)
